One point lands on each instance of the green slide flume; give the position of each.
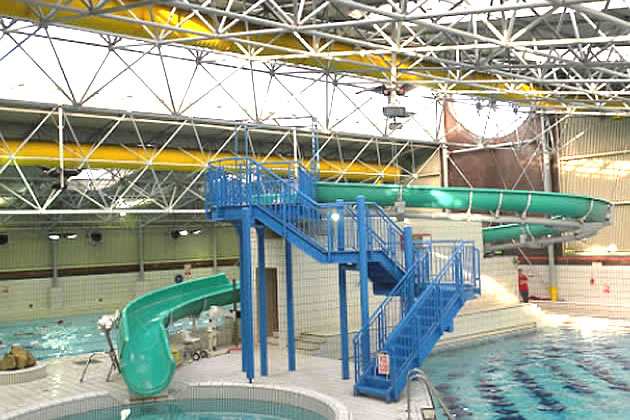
(146, 362)
(484, 200)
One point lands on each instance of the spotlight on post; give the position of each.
(196, 232)
(70, 235)
(54, 236)
(334, 216)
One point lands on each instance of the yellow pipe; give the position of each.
(41, 153)
(355, 62)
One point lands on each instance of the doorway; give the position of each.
(271, 291)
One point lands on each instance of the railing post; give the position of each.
(343, 299)
(408, 241)
(362, 238)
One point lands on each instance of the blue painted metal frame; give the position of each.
(262, 300)
(288, 258)
(343, 298)
(247, 327)
(421, 303)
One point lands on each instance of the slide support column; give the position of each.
(548, 186)
(288, 258)
(262, 300)
(343, 298)
(363, 276)
(247, 327)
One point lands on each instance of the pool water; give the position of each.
(202, 409)
(78, 334)
(553, 373)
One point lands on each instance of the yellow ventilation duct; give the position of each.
(180, 25)
(40, 153)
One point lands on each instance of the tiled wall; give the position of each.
(610, 286)
(32, 298)
(315, 291)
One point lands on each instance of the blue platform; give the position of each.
(426, 283)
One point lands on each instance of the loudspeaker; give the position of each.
(4, 239)
(96, 237)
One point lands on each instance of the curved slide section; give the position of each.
(146, 362)
(555, 205)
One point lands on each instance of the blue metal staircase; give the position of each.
(420, 303)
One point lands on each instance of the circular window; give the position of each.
(488, 118)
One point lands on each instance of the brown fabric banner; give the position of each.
(517, 166)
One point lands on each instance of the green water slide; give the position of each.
(146, 362)
(574, 210)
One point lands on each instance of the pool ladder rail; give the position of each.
(426, 413)
(106, 323)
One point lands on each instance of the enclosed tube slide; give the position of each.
(146, 362)
(590, 213)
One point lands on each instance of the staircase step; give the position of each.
(370, 391)
(374, 381)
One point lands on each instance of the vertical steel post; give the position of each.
(262, 300)
(55, 270)
(343, 298)
(62, 178)
(140, 253)
(215, 262)
(239, 232)
(408, 239)
(551, 257)
(247, 326)
(362, 237)
(288, 258)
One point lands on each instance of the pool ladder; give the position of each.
(429, 412)
(112, 356)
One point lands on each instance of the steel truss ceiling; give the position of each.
(559, 55)
(69, 161)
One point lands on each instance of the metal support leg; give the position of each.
(343, 299)
(239, 231)
(247, 327)
(288, 257)
(262, 300)
(363, 275)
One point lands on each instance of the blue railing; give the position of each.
(238, 182)
(430, 309)
(389, 313)
(417, 305)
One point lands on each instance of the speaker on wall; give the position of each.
(96, 237)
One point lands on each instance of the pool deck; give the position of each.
(315, 373)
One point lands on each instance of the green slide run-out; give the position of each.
(557, 205)
(146, 362)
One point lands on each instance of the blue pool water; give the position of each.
(201, 409)
(554, 373)
(77, 335)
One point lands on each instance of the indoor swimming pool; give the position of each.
(202, 409)
(68, 336)
(553, 373)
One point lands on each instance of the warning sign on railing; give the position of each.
(383, 364)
